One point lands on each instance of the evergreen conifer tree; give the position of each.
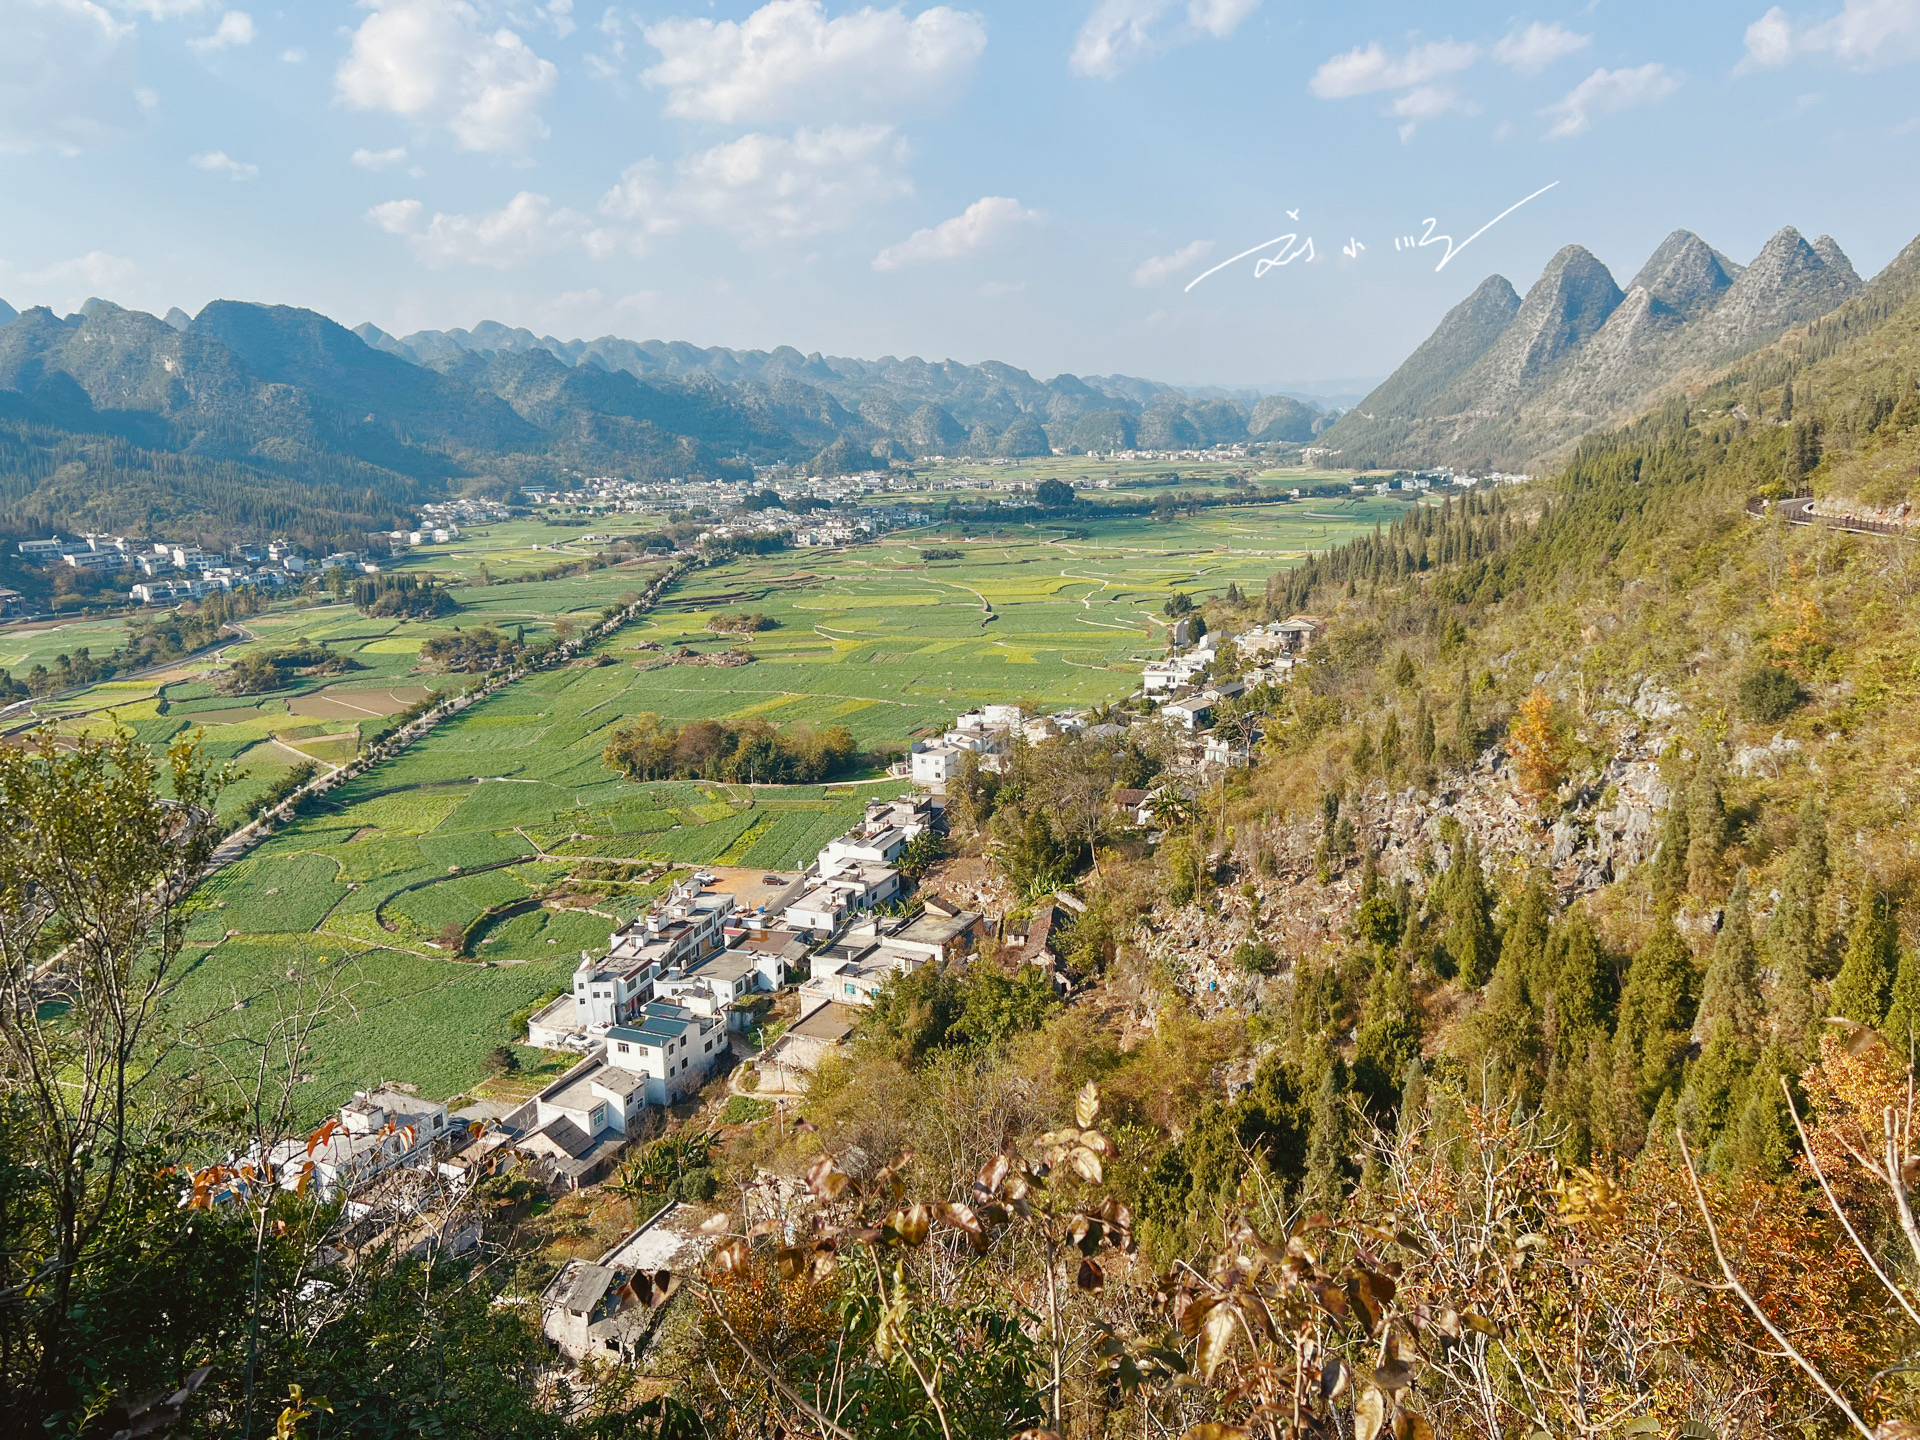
(1582, 987)
(1707, 1100)
(1424, 740)
(1902, 1025)
(1706, 822)
(1794, 926)
(1469, 938)
(1732, 990)
(1390, 748)
(1388, 1037)
(1327, 1161)
(1523, 945)
(1861, 990)
(1413, 1098)
(1760, 1139)
(1655, 1022)
(1669, 876)
(1466, 735)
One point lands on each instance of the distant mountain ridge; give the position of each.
(989, 393)
(250, 417)
(1506, 382)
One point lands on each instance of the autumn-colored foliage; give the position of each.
(1538, 749)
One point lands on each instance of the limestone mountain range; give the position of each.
(1506, 382)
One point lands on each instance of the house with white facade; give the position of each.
(375, 1132)
(672, 1046)
(714, 986)
(687, 926)
(934, 765)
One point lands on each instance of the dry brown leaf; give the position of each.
(1086, 1107)
(1369, 1414)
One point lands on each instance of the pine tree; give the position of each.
(1794, 929)
(1732, 991)
(1707, 1100)
(1655, 1022)
(1669, 874)
(1327, 1161)
(1403, 671)
(1425, 743)
(1581, 984)
(1706, 822)
(1760, 1141)
(1469, 938)
(1466, 735)
(1861, 990)
(1523, 945)
(1388, 1037)
(1902, 1025)
(1792, 1012)
(1413, 1099)
(1390, 748)
(1793, 946)
(1362, 757)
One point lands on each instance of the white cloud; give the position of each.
(1159, 269)
(1427, 102)
(235, 28)
(980, 225)
(65, 76)
(1533, 49)
(1607, 92)
(1865, 35)
(293, 55)
(1118, 33)
(379, 159)
(789, 61)
(68, 282)
(526, 228)
(221, 163)
(1368, 68)
(431, 61)
(162, 9)
(995, 289)
(768, 187)
(760, 188)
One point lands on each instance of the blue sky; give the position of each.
(1032, 182)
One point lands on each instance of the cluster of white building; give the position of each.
(653, 1016)
(169, 571)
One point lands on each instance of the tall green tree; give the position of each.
(1668, 871)
(1865, 982)
(1651, 1035)
(1706, 822)
(1902, 1024)
(99, 848)
(1466, 734)
(1732, 988)
(1469, 936)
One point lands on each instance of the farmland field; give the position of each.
(317, 718)
(499, 805)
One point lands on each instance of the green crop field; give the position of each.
(498, 805)
(316, 718)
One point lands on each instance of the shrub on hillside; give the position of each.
(1768, 693)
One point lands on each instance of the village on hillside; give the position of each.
(740, 983)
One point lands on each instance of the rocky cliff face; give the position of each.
(1488, 392)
